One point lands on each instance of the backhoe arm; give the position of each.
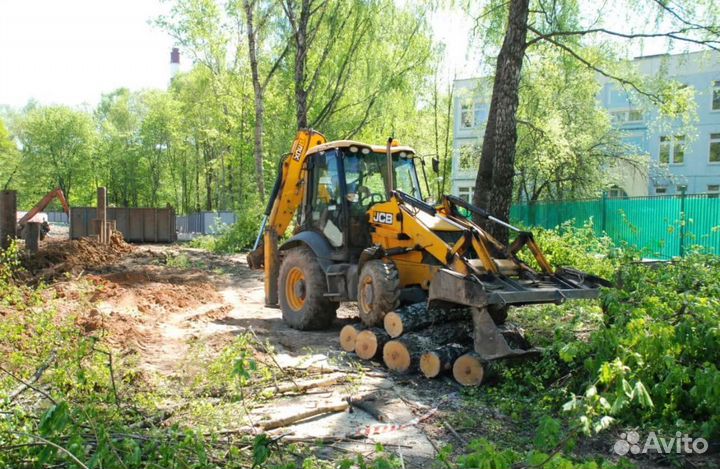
(284, 201)
(44, 202)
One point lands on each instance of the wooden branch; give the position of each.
(669, 34)
(54, 445)
(302, 386)
(25, 385)
(587, 63)
(365, 404)
(291, 419)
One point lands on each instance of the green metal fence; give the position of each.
(665, 226)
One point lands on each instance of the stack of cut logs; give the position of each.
(415, 337)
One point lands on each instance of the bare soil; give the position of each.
(156, 302)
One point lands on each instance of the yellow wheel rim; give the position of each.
(295, 288)
(365, 295)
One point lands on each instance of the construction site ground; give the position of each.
(167, 309)
(170, 311)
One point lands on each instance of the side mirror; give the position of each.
(436, 165)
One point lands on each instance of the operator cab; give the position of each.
(345, 179)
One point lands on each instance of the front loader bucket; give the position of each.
(490, 341)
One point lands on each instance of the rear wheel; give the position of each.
(378, 291)
(301, 286)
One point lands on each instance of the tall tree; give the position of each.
(256, 29)
(493, 185)
(561, 25)
(57, 145)
(9, 161)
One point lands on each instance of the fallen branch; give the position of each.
(365, 404)
(54, 445)
(302, 386)
(25, 385)
(291, 419)
(455, 433)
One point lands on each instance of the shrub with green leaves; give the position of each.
(656, 360)
(239, 236)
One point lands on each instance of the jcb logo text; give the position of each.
(384, 218)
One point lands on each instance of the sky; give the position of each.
(72, 51)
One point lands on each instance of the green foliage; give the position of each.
(567, 147)
(579, 247)
(656, 359)
(237, 237)
(485, 455)
(57, 147)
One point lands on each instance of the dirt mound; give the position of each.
(58, 257)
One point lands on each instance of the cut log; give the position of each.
(418, 316)
(370, 342)
(440, 360)
(348, 335)
(470, 369)
(403, 353)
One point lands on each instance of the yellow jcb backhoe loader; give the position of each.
(364, 233)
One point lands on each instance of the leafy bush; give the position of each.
(656, 360)
(237, 237)
(485, 455)
(578, 247)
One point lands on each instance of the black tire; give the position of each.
(378, 291)
(306, 308)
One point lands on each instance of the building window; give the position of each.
(714, 148)
(466, 193)
(616, 192)
(716, 96)
(681, 188)
(471, 115)
(469, 157)
(660, 190)
(466, 116)
(713, 191)
(627, 116)
(672, 149)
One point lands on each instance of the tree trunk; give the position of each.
(259, 99)
(301, 53)
(471, 369)
(493, 185)
(418, 316)
(403, 354)
(441, 360)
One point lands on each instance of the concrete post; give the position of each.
(32, 237)
(102, 214)
(8, 218)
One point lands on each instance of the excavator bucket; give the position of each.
(496, 291)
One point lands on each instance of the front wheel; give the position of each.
(301, 289)
(378, 291)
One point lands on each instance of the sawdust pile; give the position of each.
(73, 256)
